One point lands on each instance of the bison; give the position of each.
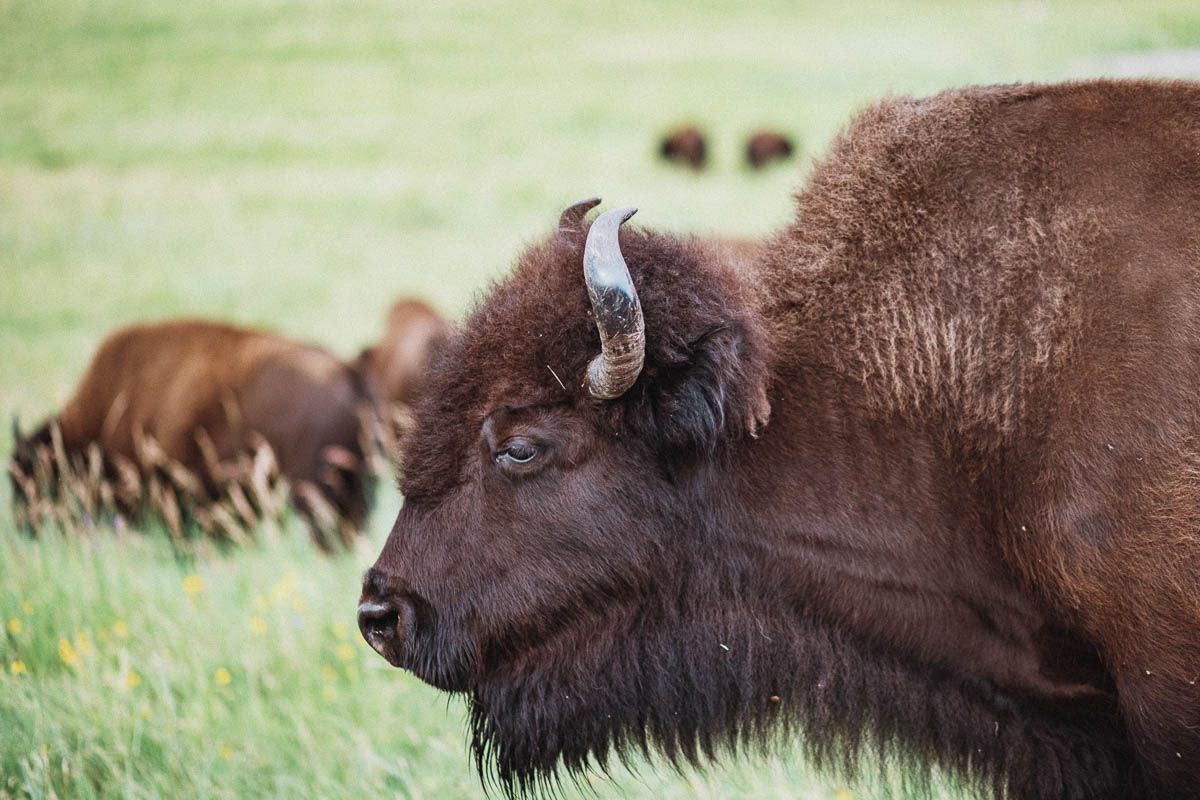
(924, 482)
(199, 393)
(686, 145)
(396, 366)
(766, 146)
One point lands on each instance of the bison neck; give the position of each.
(718, 667)
(868, 528)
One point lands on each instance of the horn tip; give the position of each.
(572, 216)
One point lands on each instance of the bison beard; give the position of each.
(923, 467)
(669, 684)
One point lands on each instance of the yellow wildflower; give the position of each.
(27, 608)
(328, 673)
(120, 629)
(299, 604)
(66, 651)
(15, 627)
(44, 749)
(144, 711)
(224, 751)
(283, 587)
(193, 585)
(258, 625)
(132, 679)
(351, 672)
(82, 644)
(329, 693)
(842, 794)
(345, 651)
(340, 630)
(222, 677)
(18, 667)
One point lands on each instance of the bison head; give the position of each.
(30, 455)
(563, 534)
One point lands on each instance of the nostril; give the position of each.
(378, 622)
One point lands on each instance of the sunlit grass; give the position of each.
(298, 164)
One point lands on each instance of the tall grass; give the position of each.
(298, 164)
(235, 674)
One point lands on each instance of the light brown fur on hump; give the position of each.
(939, 274)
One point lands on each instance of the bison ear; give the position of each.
(716, 395)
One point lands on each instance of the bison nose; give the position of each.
(386, 626)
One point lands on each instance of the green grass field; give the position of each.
(300, 163)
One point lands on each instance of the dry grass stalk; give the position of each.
(234, 499)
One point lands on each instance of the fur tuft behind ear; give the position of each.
(717, 393)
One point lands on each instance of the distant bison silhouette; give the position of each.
(766, 146)
(196, 394)
(687, 146)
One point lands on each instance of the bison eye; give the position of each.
(518, 451)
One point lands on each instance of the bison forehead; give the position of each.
(531, 338)
(535, 331)
(527, 343)
(534, 325)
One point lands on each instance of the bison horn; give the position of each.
(616, 307)
(572, 215)
(16, 429)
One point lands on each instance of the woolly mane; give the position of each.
(942, 272)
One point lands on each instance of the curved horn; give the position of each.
(16, 429)
(572, 215)
(615, 304)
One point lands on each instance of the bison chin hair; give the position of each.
(694, 691)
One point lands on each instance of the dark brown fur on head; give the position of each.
(965, 534)
(704, 381)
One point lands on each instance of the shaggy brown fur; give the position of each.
(686, 146)
(766, 146)
(925, 481)
(182, 383)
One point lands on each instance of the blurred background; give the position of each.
(300, 164)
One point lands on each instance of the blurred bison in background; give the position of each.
(685, 146)
(397, 364)
(764, 147)
(188, 398)
(924, 482)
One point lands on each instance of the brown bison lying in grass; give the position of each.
(184, 415)
(923, 482)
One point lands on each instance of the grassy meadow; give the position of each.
(298, 164)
